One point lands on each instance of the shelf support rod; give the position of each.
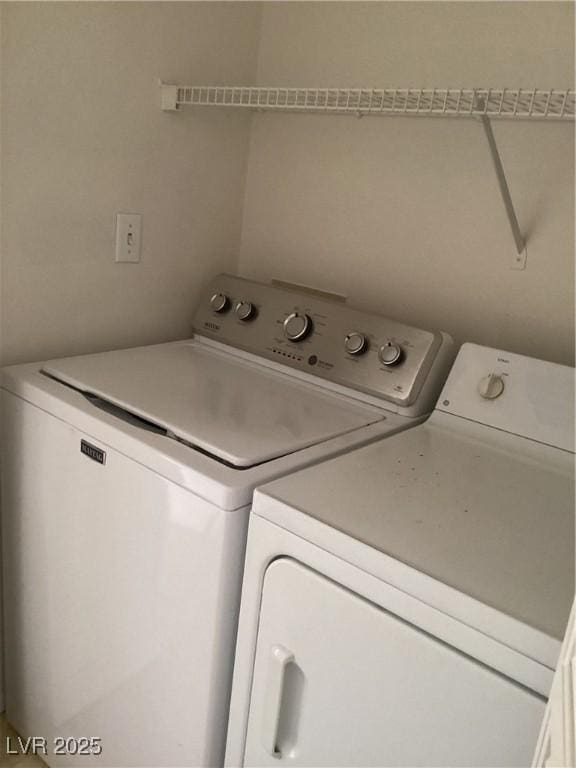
(520, 259)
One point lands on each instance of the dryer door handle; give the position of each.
(280, 657)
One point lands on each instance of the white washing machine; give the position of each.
(404, 604)
(127, 483)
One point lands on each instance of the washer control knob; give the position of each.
(390, 353)
(491, 386)
(220, 302)
(355, 343)
(245, 310)
(297, 326)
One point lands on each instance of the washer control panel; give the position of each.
(327, 338)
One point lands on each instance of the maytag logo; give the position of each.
(212, 326)
(96, 454)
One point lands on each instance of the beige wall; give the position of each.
(404, 215)
(83, 137)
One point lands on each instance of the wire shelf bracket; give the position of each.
(484, 104)
(520, 258)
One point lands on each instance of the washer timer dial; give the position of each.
(244, 310)
(297, 326)
(220, 302)
(355, 343)
(390, 353)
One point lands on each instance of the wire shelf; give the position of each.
(481, 103)
(530, 103)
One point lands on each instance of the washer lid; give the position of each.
(239, 412)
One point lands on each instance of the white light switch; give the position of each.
(128, 236)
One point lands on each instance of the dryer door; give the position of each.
(339, 681)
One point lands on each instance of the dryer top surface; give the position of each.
(487, 513)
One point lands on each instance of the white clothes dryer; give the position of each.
(404, 604)
(556, 746)
(127, 480)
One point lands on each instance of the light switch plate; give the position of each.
(128, 237)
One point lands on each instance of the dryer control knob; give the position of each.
(297, 326)
(355, 343)
(491, 386)
(390, 353)
(245, 310)
(220, 302)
